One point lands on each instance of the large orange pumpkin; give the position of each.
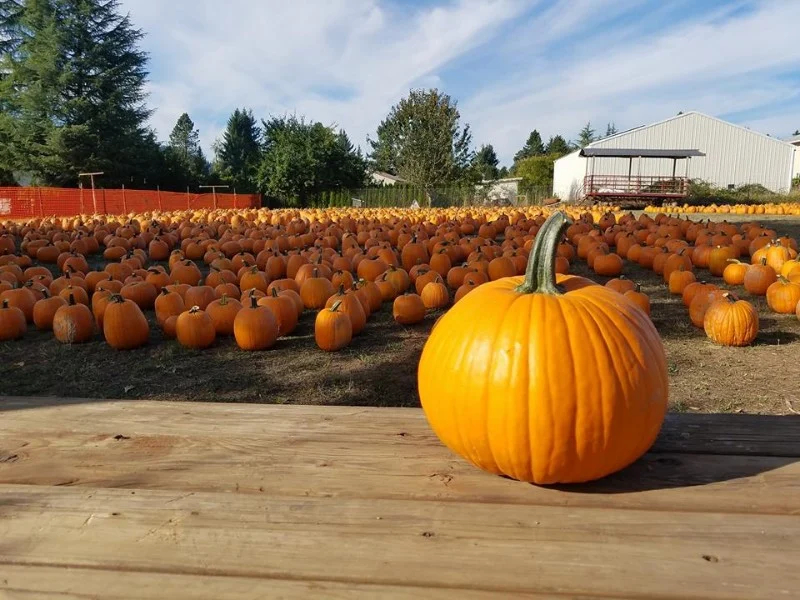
(514, 380)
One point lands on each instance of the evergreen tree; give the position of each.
(796, 132)
(586, 136)
(611, 129)
(557, 145)
(485, 163)
(503, 173)
(238, 152)
(422, 140)
(185, 159)
(533, 147)
(72, 94)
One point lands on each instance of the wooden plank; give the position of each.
(372, 461)
(26, 582)
(761, 435)
(506, 548)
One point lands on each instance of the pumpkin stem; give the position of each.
(274, 292)
(336, 305)
(194, 310)
(540, 275)
(5, 303)
(71, 300)
(253, 301)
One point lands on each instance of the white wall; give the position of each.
(796, 170)
(734, 155)
(568, 174)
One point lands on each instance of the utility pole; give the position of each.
(213, 190)
(91, 176)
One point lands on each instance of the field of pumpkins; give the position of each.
(335, 305)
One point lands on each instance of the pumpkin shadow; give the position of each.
(697, 450)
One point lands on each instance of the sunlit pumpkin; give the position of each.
(506, 372)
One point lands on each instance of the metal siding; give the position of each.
(733, 155)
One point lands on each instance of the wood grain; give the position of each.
(438, 545)
(125, 447)
(29, 582)
(755, 435)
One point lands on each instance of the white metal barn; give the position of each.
(719, 153)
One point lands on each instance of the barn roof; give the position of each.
(639, 152)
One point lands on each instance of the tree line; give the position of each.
(73, 100)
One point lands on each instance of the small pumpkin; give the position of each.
(195, 329)
(679, 279)
(315, 291)
(255, 327)
(735, 271)
(608, 265)
(701, 302)
(284, 309)
(332, 329)
(639, 298)
(73, 323)
(351, 306)
(783, 296)
(435, 296)
(21, 298)
(168, 304)
(12, 322)
(223, 313)
(520, 419)
(759, 277)
(124, 325)
(731, 322)
(621, 284)
(200, 295)
(45, 310)
(408, 309)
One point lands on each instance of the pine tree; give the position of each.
(796, 132)
(611, 129)
(485, 163)
(586, 135)
(72, 93)
(186, 162)
(533, 147)
(558, 146)
(238, 151)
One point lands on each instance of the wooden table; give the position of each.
(162, 500)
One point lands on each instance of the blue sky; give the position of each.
(512, 65)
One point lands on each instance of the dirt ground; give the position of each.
(379, 368)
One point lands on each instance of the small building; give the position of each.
(503, 190)
(795, 141)
(381, 178)
(644, 159)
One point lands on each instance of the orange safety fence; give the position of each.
(31, 202)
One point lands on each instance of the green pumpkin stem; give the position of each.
(540, 275)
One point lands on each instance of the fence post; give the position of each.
(39, 196)
(158, 192)
(81, 188)
(124, 202)
(187, 198)
(235, 204)
(105, 209)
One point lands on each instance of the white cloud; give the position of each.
(711, 66)
(553, 68)
(277, 57)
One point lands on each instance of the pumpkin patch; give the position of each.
(367, 285)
